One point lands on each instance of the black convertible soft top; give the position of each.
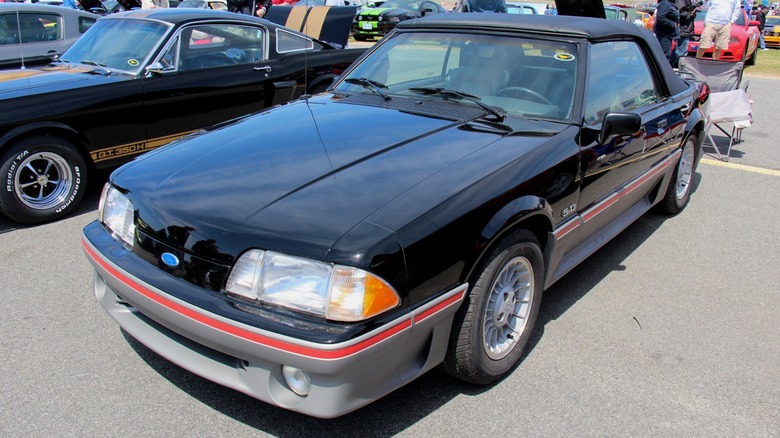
(593, 29)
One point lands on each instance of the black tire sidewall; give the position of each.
(490, 368)
(10, 165)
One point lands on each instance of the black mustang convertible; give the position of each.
(321, 254)
(137, 80)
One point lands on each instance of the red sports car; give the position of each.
(743, 42)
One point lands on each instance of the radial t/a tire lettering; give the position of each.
(495, 322)
(44, 178)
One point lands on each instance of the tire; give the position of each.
(752, 59)
(679, 191)
(359, 37)
(490, 333)
(44, 179)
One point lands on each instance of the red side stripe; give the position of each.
(246, 334)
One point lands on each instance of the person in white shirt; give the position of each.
(721, 14)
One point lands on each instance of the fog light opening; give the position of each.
(297, 380)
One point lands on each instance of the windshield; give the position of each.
(123, 45)
(516, 76)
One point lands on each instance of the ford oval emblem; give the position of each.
(169, 259)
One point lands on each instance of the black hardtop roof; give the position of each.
(580, 27)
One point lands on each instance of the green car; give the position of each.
(377, 22)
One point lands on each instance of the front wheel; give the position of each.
(679, 192)
(495, 322)
(752, 59)
(44, 179)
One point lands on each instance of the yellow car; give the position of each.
(772, 32)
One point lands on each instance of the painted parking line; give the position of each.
(743, 167)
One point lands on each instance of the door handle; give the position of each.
(264, 68)
(662, 123)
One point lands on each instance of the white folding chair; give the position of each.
(728, 101)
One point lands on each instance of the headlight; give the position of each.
(116, 213)
(393, 19)
(338, 293)
(734, 40)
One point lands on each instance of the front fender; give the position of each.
(19, 131)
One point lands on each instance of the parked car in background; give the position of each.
(743, 43)
(377, 22)
(772, 31)
(138, 80)
(321, 254)
(521, 9)
(32, 34)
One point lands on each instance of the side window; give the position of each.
(170, 58)
(218, 45)
(85, 23)
(289, 42)
(32, 27)
(8, 30)
(618, 80)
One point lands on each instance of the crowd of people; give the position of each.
(674, 26)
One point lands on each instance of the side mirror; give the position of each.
(754, 23)
(619, 124)
(155, 68)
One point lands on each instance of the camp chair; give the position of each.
(728, 101)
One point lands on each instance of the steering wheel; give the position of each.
(515, 91)
(215, 60)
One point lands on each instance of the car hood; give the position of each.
(293, 179)
(27, 81)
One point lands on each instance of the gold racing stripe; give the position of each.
(316, 21)
(138, 147)
(297, 17)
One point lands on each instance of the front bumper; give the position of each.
(344, 376)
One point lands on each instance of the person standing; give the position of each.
(154, 4)
(687, 15)
(761, 17)
(666, 27)
(721, 14)
(73, 4)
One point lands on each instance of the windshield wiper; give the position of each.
(375, 86)
(454, 94)
(99, 65)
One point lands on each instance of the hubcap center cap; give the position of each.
(505, 305)
(43, 180)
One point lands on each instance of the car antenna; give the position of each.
(19, 34)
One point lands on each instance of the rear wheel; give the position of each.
(495, 322)
(359, 37)
(679, 192)
(44, 179)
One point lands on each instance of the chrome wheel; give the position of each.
(684, 171)
(508, 307)
(44, 180)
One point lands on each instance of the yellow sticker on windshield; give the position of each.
(564, 57)
(133, 62)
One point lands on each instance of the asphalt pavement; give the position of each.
(671, 329)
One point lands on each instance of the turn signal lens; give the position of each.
(356, 295)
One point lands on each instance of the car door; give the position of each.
(620, 172)
(208, 73)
